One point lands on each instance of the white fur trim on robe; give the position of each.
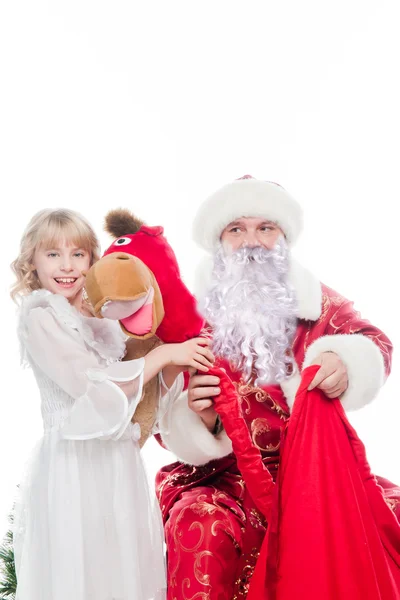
(290, 386)
(185, 435)
(364, 363)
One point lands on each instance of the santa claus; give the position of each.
(270, 318)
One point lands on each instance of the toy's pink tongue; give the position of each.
(141, 321)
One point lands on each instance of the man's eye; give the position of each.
(79, 254)
(234, 230)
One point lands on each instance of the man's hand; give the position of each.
(202, 388)
(332, 377)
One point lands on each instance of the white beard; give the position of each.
(252, 309)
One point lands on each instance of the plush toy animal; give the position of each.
(138, 283)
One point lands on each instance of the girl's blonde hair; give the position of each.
(46, 229)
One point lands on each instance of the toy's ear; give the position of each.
(121, 222)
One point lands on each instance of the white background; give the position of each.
(153, 105)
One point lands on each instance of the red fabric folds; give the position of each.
(331, 535)
(259, 481)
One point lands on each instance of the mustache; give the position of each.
(247, 254)
(255, 255)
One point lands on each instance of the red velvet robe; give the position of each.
(213, 529)
(326, 509)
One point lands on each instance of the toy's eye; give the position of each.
(122, 242)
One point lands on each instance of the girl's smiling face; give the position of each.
(60, 269)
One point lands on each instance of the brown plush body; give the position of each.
(116, 279)
(138, 283)
(146, 411)
(122, 278)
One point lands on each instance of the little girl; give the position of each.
(85, 526)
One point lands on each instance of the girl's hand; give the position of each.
(193, 353)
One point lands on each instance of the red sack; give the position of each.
(331, 535)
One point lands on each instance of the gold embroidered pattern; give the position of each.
(327, 303)
(258, 427)
(245, 390)
(201, 507)
(242, 583)
(257, 520)
(392, 503)
(177, 479)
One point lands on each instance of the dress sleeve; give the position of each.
(101, 409)
(167, 397)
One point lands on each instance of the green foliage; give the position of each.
(8, 579)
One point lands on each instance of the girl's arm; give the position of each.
(105, 397)
(172, 359)
(101, 408)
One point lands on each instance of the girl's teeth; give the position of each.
(65, 280)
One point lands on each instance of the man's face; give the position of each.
(251, 232)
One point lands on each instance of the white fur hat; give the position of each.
(246, 197)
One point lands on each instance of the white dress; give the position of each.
(86, 526)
